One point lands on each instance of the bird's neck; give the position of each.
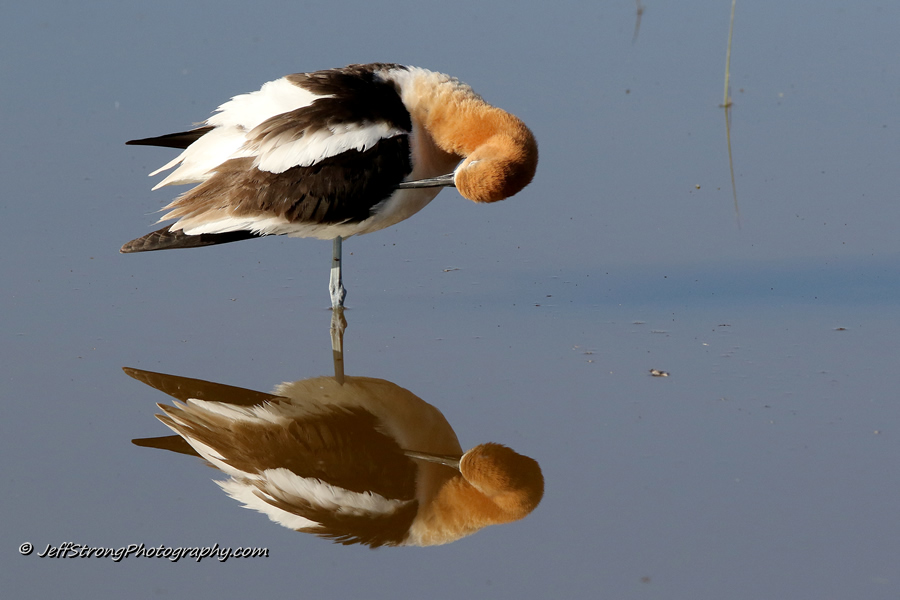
(457, 119)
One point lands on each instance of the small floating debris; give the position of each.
(658, 373)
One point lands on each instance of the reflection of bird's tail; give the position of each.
(163, 239)
(173, 443)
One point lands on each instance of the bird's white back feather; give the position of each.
(197, 163)
(247, 111)
(278, 153)
(235, 124)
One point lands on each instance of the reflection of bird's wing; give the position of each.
(184, 388)
(311, 148)
(332, 473)
(312, 506)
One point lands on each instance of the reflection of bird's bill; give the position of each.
(449, 461)
(441, 181)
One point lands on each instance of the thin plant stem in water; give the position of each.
(637, 20)
(727, 106)
(737, 211)
(727, 102)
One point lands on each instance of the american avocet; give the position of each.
(336, 153)
(363, 462)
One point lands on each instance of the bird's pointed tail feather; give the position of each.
(163, 239)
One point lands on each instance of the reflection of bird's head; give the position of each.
(494, 485)
(512, 481)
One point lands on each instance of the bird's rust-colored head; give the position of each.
(500, 167)
(499, 153)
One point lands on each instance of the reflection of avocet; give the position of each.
(365, 461)
(337, 153)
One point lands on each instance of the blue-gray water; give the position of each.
(764, 466)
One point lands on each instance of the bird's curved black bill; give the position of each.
(441, 181)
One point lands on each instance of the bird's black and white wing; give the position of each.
(304, 154)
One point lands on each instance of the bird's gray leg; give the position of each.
(336, 286)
